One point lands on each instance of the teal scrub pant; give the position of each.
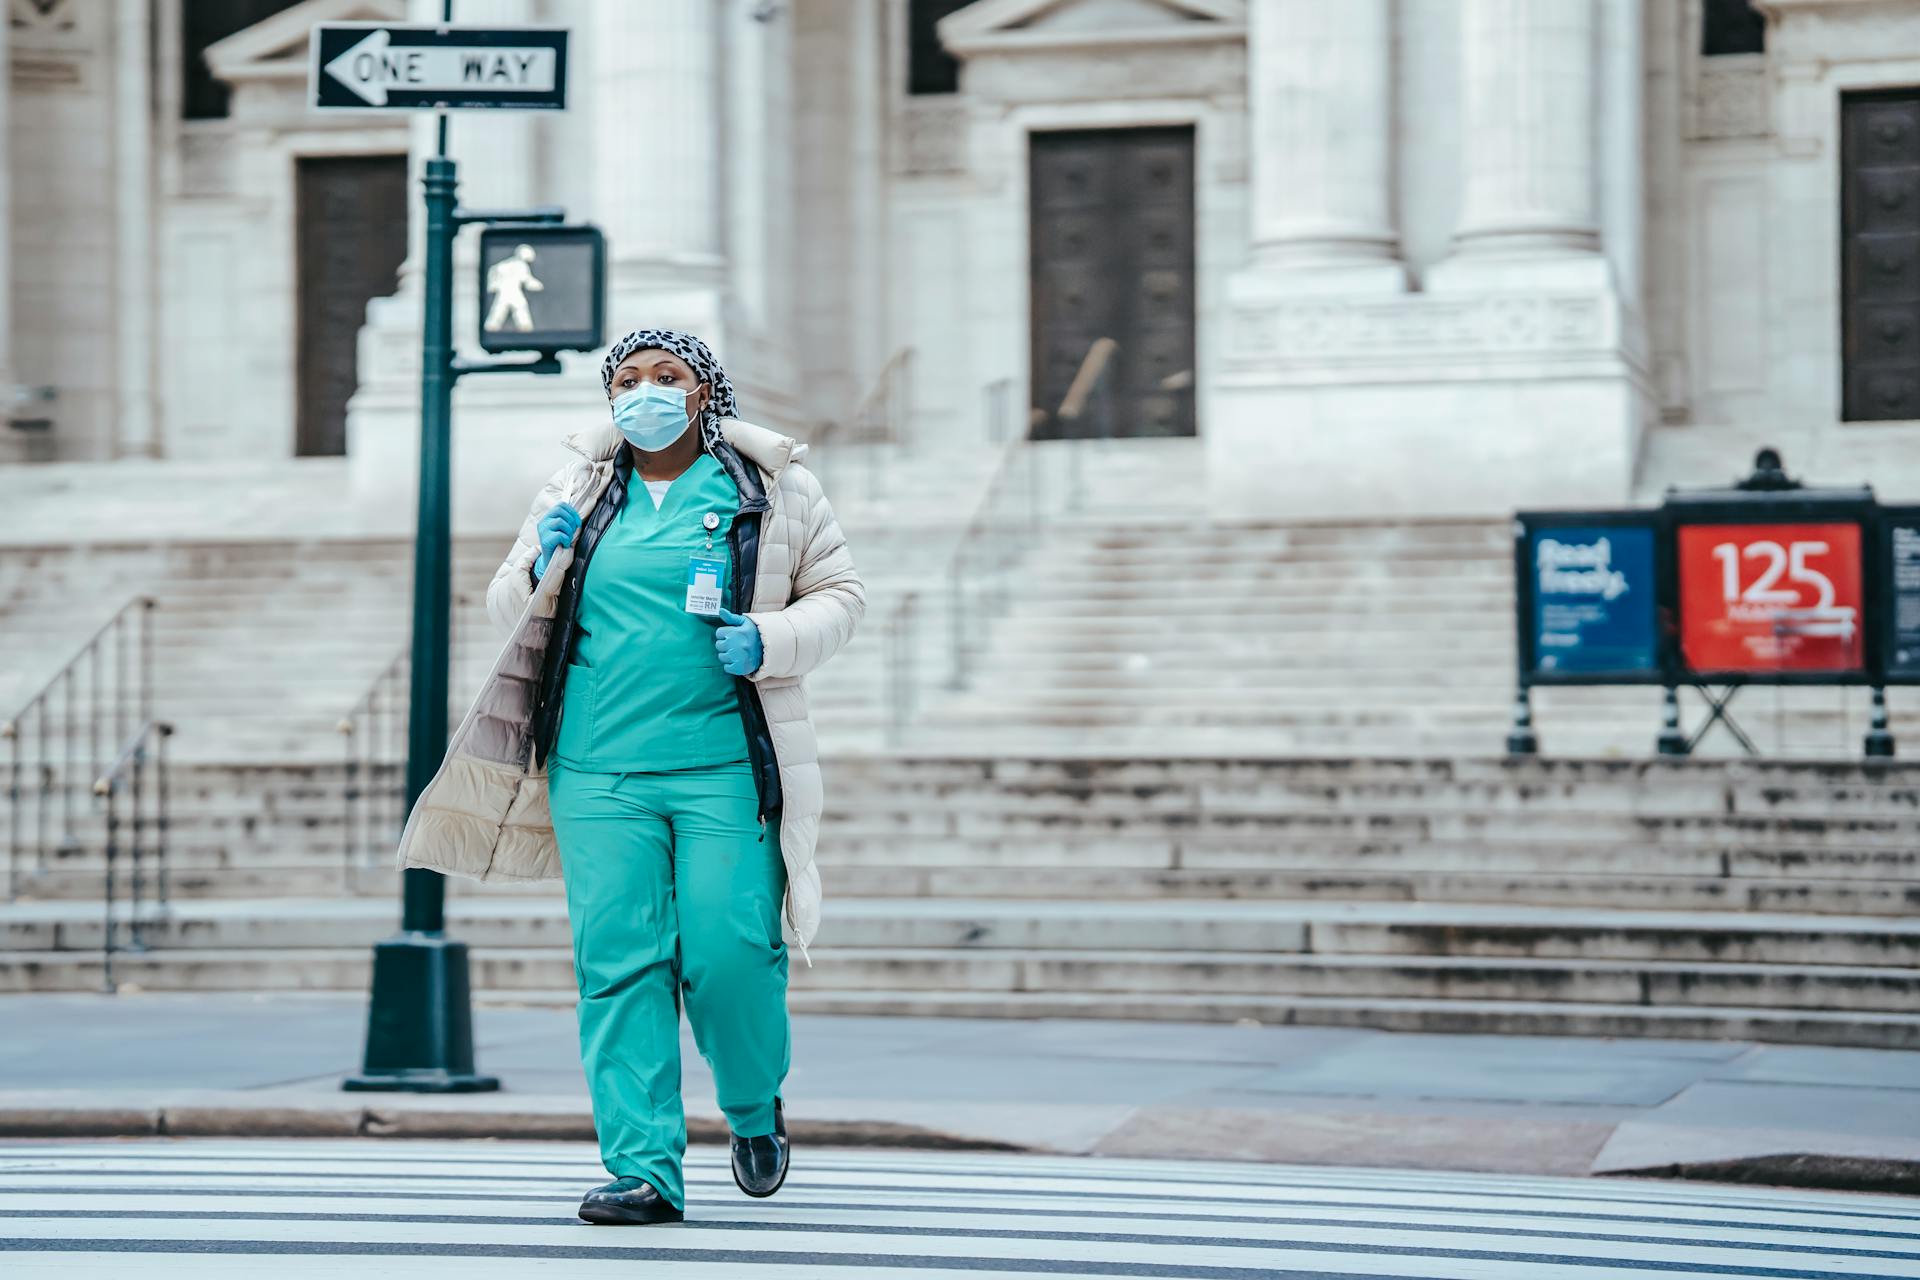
(673, 889)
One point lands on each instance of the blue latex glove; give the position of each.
(738, 643)
(555, 530)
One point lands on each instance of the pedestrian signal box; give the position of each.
(542, 288)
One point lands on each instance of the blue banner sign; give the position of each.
(1903, 597)
(1593, 600)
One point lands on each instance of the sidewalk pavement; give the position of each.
(271, 1065)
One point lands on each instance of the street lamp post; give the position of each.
(420, 1020)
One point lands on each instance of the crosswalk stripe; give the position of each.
(1244, 1186)
(59, 1200)
(854, 1221)
(771, 1232)
(825, 1181)
(155, 1206)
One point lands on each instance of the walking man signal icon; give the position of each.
(540, 288)
(509, 281)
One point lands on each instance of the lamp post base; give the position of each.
(420, 1020)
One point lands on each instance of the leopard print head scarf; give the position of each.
(720, 403)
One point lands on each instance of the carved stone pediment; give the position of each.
(1007, 25)
(276, 48)
(54, 44)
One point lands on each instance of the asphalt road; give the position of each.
(370, 1208)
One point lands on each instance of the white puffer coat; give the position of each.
(485, 813)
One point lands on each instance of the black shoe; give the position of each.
(627, 1202)
(760, 1164)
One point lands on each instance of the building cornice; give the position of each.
(1003, 26)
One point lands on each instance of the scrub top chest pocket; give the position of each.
(707, 571)
(647, 692)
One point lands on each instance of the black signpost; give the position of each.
(419, 1021)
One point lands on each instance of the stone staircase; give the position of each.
(261, 646)
(1764, 900)
(1199, 772)
(1189, 638)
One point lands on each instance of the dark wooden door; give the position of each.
(352, 233)
(1880, 203)
(1112, 257)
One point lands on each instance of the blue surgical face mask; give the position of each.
(651, 417)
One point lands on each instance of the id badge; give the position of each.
(706, 580)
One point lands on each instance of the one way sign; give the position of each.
(385, 66)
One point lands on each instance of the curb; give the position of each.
(212, 1119)
(1802, 1170)
(202, 1121)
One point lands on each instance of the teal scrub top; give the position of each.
(646, 692)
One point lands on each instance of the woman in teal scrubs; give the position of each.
(669, 844)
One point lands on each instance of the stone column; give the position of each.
(656, 99)
(8, 387)
(1319, 84)
(1528, 135)
(498, 154)
(133, 427)
(496, 149)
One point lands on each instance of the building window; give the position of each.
(930, 68)
(205, 22)
(1732, 26)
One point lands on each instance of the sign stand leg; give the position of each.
(1879, 741)
(1522, 740)
(1672, 740)
(1717, 713)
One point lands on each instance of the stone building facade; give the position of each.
(1379, 257)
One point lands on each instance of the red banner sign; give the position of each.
(1771, 597)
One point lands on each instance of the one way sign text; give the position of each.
(361, 66)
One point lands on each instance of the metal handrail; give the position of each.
(1013, 508)
(901, 633)
(127, 773)
(1093, 367)
(875, 418)
(371, 777)
(1090, 384)
(889, 385)
(59, 774)
(975, 573)
(373, 735)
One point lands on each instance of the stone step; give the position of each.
(1067, 738)
(1409, 539)
(1102, 707)
(1867, 992)
(873, 878)
(1223, 550)
(1180, 588)
(1246, 928)
(973, 833)
(1440, 1016)
(1739, 877)
(1289, 792)
(209, 793)
(1125, 770)
(1378, 622)
(1278, 690)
